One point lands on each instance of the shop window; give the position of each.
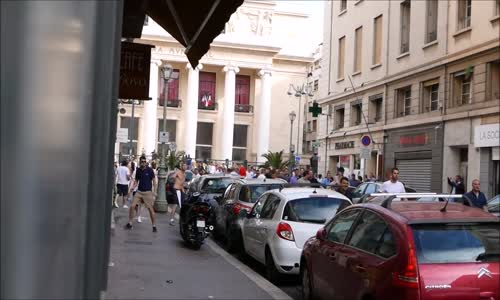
(494, 80)
(403, 102)
(462, 87)
(431, 21)
(206, 91)
(464, 14)
(405, 26)
(240, 142)
(356, 113)
(204, 135)
(431, 95)
(375, 108)
(339, 118)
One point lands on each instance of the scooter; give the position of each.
(194, 221)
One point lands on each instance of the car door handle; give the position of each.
(360, 269)
(332, 256)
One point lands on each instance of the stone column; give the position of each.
(227, 128)
(264, 116)
(190, 110)
(149, 132)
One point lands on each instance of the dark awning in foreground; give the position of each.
(193, 23)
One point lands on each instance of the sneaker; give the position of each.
(154, 229)
(139, 220)
(125, 206)
(115, 205)
(171, 222)
(128, 226)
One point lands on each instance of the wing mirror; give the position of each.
(321, 234)
(243, 213)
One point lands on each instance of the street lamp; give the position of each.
(160, 205)
(298, 92)
(292, 116)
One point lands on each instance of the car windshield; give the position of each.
(457, 243)
(215, 185)
(252, 192)
(313, 209)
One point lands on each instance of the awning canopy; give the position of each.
(193, 23)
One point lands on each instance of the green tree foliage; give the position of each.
(276, 160)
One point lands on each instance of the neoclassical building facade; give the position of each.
(234, 104)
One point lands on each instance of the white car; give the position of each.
(281, 221)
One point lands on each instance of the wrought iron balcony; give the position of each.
(245, 108)
(170, 103)
(204, 106)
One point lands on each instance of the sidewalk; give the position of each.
(158, 265)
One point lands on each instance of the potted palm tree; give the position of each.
(276, 160)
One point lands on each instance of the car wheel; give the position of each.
(307, 293)
(272, 273)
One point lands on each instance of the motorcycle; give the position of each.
(195, 221)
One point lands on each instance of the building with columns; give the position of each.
(234, 105)
(422, 80)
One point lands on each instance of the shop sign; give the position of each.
(135, 61)
(414, 139)
(344, 161)
(487, 135)
(344, 145)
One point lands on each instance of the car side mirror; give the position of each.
(321, 234)
(243, 213)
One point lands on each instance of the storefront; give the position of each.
(487, 141)
(417, 153)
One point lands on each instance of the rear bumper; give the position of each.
(286, 256)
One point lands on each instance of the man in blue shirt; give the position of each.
(477, 198)
(146, 191)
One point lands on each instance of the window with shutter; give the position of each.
(432, 13)
(206, 91)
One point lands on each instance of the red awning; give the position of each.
(193, 23)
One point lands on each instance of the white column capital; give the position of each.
(265, 71)
(198, 67)
(231, 67)
(156, 62)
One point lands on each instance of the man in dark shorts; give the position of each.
(122, 181)
(146, 192)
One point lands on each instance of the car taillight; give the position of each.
(284, 231)
(408, 277)
(236, 209)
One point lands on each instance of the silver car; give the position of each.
(281, 221)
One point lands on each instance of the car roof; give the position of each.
(256, 181)
(214, 176)
(412, 212)
(292, 193)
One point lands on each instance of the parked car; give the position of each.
(275, 230)
(494, 205)
(404, 250)
(372, 187)
(242, 193)
(210, 188)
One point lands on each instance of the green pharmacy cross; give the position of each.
(315, 109)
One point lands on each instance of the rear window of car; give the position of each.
(216, 185)
(312, 210)
(457, 243)
(251, 193)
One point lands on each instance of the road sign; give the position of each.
(315, 109)
(366, 140)
(297, 159)
(164, 137)
(122, 135)
(365, 153)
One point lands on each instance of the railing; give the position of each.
(171, 103)
(212, 106)
(246, 108)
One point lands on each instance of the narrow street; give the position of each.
(149, 265)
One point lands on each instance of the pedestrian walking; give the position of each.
(122, 183)
(179, 179)
(306, 178)
(457, 186)
(393, 185)
(476, 197)
(146, 192)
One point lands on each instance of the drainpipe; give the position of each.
(330, 54)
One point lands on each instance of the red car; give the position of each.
(407, 250)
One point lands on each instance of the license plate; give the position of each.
(200, 223)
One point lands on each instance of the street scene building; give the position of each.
(421, 79)
(234, 105)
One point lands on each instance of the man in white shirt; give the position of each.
(122, 181)
(393, 185)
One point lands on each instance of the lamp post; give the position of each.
(160, 204)
(292, 116)
(298, 92)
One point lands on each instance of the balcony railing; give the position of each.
(129, 101)
(171, 103)
(212, 106)
(245, 108)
